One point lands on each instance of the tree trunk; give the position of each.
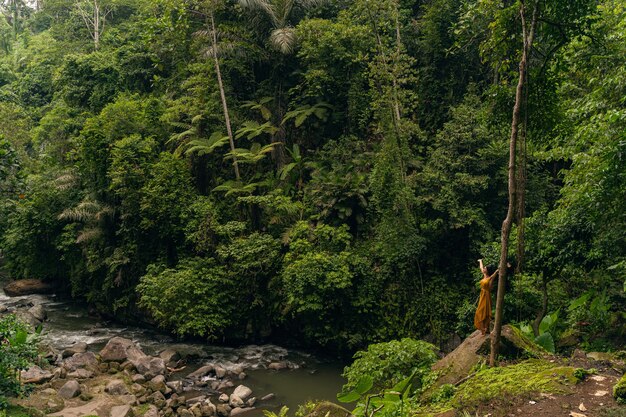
(508, 221)
(218, 74)
(544, 305)
(96, 25)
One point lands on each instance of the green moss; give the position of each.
(619, 390)
(15, 411)
(141, 410)
(529, 347)
(529, 376)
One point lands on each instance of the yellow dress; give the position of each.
(482, 318)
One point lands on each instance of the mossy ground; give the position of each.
(15, 411)
(532, 375)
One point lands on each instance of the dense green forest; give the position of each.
(324, 173)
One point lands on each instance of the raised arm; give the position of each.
(493, 275)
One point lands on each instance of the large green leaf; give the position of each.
(546, 341)
(348, 397)
(364, 385)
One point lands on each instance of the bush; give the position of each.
(195, 298)
(17, 352)
(389, 363)
(619, 390)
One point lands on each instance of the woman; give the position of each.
(482, 318)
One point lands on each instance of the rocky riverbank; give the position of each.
(122, 381)
(93, 368)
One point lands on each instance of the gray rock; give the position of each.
(3, 309)
(138, 389)
(157, 399)
(196, 410)
(239, 410)
(80, 374)
(235, 401)
(169, 356)
(151, 412)
(27, 318)
(224, 398)
(220, 372)
(242, 392)
(242, 376)
(35, 375)
(208, 409)
(116, 387)
(223, 410)
(38, 312)
(200, 372)
(149, 366)
(70, 389)
(121, 411)
(225, 385)
(119, 349)
(183, 412)
(138, 378)
(251, 401)
(87, 360)
(277, 366)
(176, 386)
(80, 347)
(157, 384)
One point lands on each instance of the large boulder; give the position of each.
(149, 367)
(80, 347)
(121, 411)
(35, 375)
(116, 387)
(119, 349)
(27, 318)
(38, 312)
(242, 392)
(70, 390)
(27, 287)
(87, 360)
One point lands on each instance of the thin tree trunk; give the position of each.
(96, 24)
(508, 221)
(521, 184)
(544, 305)
(218, 73)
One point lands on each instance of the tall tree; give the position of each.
(528, 35)
(282, 16)
(94, 14)
(214, 51)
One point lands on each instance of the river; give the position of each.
(309, 377)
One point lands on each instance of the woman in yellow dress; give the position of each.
(482, 318)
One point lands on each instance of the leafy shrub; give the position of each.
(195, 298)
(317, 278)
(390, 362)
(17, 352)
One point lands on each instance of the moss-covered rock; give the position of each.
(516, 343)
(532, 375)
(328, 409)
(619, 390)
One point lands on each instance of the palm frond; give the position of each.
(206, 146)
(263, 5)
(66, 181)
(284, 39)
(89, 234)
